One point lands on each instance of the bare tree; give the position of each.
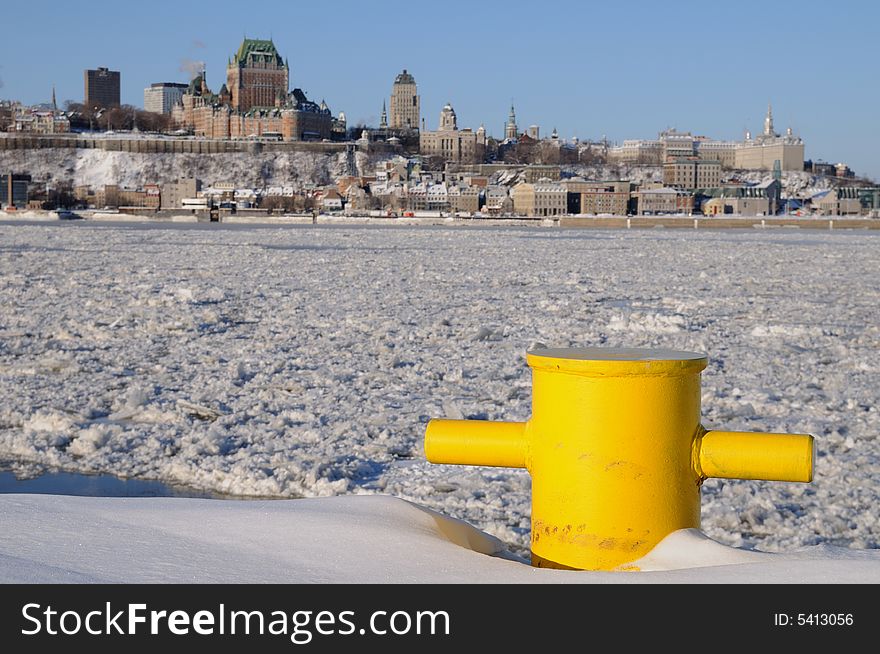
(286, 203)
(148, 121)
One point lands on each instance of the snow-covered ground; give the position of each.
(305, 361)
(341, 540)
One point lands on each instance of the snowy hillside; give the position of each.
(299, 169)
(98, 167)
(794, 183)
(306, 361)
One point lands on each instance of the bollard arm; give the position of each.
(476, 443)
(752, 455)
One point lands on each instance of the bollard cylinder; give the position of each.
(616, 452)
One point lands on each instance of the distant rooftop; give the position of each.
(404, 78)
(252, 50)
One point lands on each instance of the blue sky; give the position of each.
(591, 69)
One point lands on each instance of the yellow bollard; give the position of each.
(616, 452)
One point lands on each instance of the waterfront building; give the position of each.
(173, 193)
(539, 199)
(595, 198)
(14, 191)
(739, 201)
(664, 201)
(849, 201)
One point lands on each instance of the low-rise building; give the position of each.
(760, 200)
(691, 173)
(849, 201)
(594, 198)
(40, 121)
(437, 197)
(539, 199)
(14, 191)
(820, 168)
(84, 194)
(498, 201)
(842, 170)
(148, 196)
(664, 201)
(331, 200)
(464, 199)
(173, 193)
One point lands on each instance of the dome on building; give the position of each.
(448, 119)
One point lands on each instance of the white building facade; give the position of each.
(162, 97)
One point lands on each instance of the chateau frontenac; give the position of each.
(254, 101)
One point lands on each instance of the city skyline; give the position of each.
(620, 72)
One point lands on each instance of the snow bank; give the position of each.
(56, 539)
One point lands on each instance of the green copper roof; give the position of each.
(404, 78)
(259, 48)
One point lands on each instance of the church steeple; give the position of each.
(54, 103)
(768, 122)
(510, 127)
(383, 121)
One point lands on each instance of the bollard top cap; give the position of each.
(616, 361)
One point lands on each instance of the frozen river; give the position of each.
(306, 361)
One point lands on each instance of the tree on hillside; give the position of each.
(123, 117)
